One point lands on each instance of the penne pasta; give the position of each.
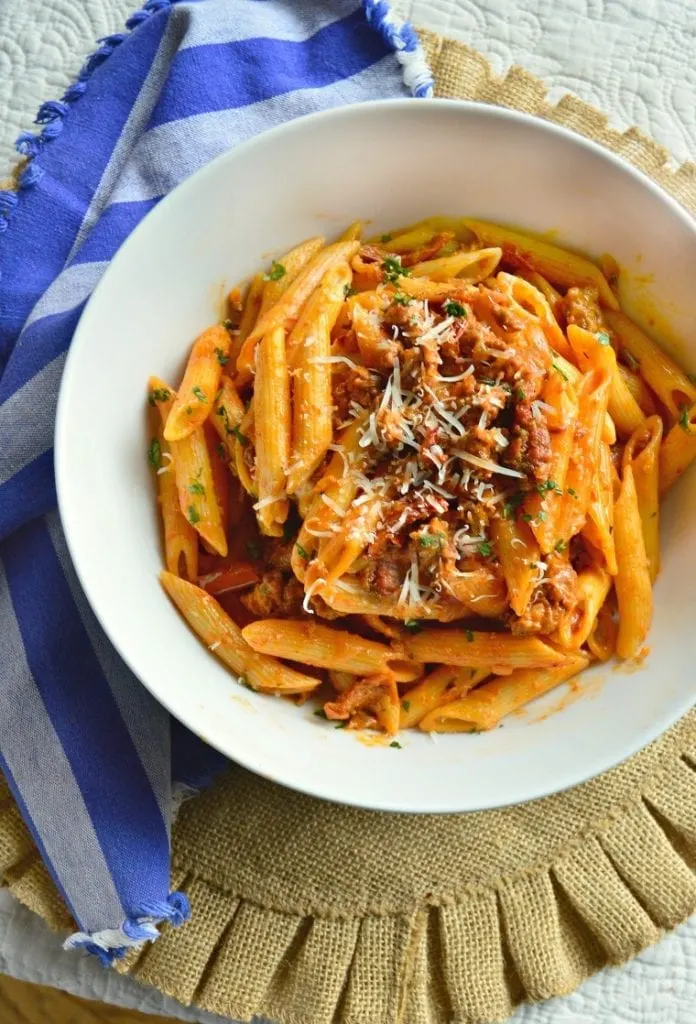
(559, 266)
(398, 441)
(473, 649)
(441, 686)
(201, 380)
(224, 638)
(485, 706)
(632, 582)
(324, 647)
(642, 453)
(671, 385)
(272, 419)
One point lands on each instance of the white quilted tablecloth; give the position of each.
(632, 58)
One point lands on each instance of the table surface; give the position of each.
(634, 60)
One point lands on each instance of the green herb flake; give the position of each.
(412, 625)
(406, 705)
(276, 272)
(200, 395)
(520, 395)
(452, 308)
(572, 492)
(392, 269)
(685, 419)
(559, 369)
(221, 451)
(348, 290)
(244, 441)
(485, 549)
(154, 454)
(603, 338)
(395, 744)
(469, 634)
(549, 485)
(196, 487)
(542, 516)
(159, 395)
(527, 518)
(320, 713)
(386, 238)
(340, 725)
(193, 516)
(221, 357)
(253, 550)
(401, 299)
(560, 546)
(429, 540)
(229, 326)
(512, 504)
(301, 552)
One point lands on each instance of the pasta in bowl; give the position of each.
(417, 477)
(165, 297)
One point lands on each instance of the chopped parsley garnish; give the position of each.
(527, 518)
(392, 270)
(469, 634)
(512, 504)
(340, 725)
(221, 450)
(221, 357)
(348, 290)
(429, 540)
(276, 272)
(406, 705)
(193, 516)
(452, 308)
(229, 326)
(559, 369)
(196, 487)
(412, 625)
(485, 549)
(542, 516)
(572, 492)
(520, 395)
(154, 453)
(253, 550)
(386, 238)
(685, 419)
(200, 395)
(244, 441)
(401, 299)
(603, 338)
(320, 713)
(394, 743)
(549, 485)
(301, 552)
(159, 395)
(560, 546)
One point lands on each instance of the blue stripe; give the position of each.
(42, 341)
(108, 772)
(36, 835)
(49, 214)
(114, 227)
(27, 495)
(232, 75)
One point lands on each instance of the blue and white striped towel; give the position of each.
(89, 756)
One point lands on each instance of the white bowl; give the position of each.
(391, 163)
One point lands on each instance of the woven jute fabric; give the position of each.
(309, 913)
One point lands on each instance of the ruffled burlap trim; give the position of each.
(309, 913)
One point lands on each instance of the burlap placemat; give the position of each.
(309, 913)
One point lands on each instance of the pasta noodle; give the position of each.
(425, 469)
